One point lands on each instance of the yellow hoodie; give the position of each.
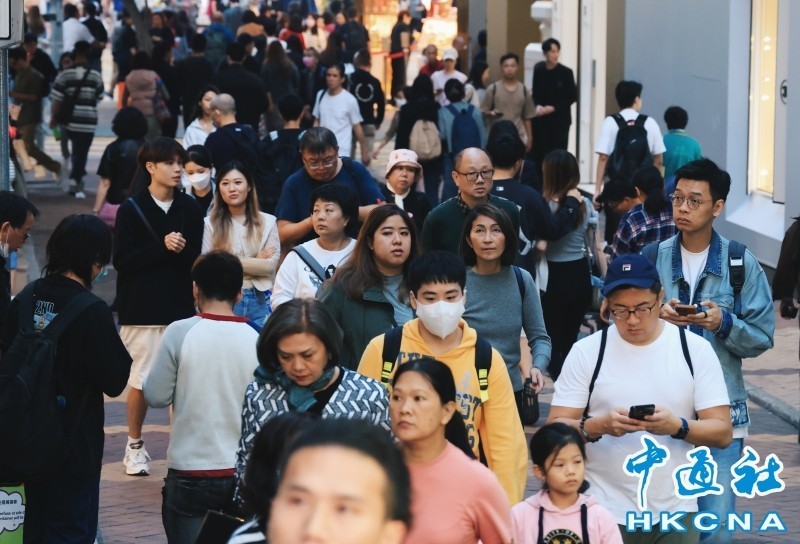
(495, 424)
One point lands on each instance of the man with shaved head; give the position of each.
(222, 144)
(472, 173)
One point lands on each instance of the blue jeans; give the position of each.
(254, 305)
(186, 501)
(722, 504)
(62, 510)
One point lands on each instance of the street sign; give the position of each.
(11, 22)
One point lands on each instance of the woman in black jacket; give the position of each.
(421, 105)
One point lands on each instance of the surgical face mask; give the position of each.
(200, 180)
(400, 102)
(308, 62)
(441, 318)
(102, 275)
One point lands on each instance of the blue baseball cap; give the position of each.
(631, 270)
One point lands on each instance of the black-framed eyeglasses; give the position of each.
(473, 176)
(693, 203)
(640, 312)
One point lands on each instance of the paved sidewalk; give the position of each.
(130, 506)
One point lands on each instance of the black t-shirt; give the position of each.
(323, 397)
(120, 166)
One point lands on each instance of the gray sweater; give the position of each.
(495, 310)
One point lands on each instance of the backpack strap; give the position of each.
(736, 272)
(452, 109)
(141, 215)
(312, 263)
(483, 363)
(640, 120)
(540, 537)
(494, 94)
(620, 120)
(685, 348)
(598, 364)
(520, 281)
(651, 251)
(585, 523)
(391, 349)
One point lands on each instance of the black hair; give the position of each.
(615, 191)
(676, 118)
(17, 53)
(338, 66)
(550, 440)
(476, 73)
(436, 267)
(704, 169)
(162, 149)
(79, 242)
(218, 276)
(290, 107)
(81, 48)
(318, 140)
(509, 56)
(369, 440)
(549, 43)
(362, 58)
(198, 43)
(627, 92)
(249, 17)
(244, 38)
(421, 88)
(649, 181)
(90, 9)
(454, 90)
(505, 150)
(298, 316)
(198, 154)
(236, 52)
(270, 26)
(340, 194)
(441, 379)
(129, 124)
(15, 209)
(30, 37)
(160, 52)
(509, 255)
(141, 61)
(260, 482)
(70, 11)
(197, 110)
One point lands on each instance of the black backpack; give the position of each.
(255, 154)
(32, 432)
(282, 153)
(631, 149)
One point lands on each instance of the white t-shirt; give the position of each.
(338, 113)
(653, 374)
(74, 31)
(439, 78)
(693, 264)
(163, 205)
(295, 278)
(608, 133)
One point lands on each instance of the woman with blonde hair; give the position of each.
(236, 225)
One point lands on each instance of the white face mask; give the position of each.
(400, 102)
(199, 180)
(441, 318)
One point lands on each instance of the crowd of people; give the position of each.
(269, 287)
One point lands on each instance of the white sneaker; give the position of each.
(80, 195)
(136, 459)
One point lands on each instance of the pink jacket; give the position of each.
(602, 527)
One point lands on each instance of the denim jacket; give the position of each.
(738, 337)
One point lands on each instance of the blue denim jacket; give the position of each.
(747, 336)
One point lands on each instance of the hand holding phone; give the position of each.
(641, 410)
(685, 309)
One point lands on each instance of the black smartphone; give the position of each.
(685, 309)
(641, 410)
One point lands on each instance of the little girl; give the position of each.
(560, 511)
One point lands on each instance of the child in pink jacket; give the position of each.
(560, 511)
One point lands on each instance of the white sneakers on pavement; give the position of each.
(136, 458)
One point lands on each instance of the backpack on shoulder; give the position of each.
(465, 132)
(254, 153)
(34, 438)
(282, 158)
(424, 140)
(631, 148)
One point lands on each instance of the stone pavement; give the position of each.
(130, 506)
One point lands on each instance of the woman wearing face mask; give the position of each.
(403, 179)
(368, 292)
(503, 298)
(300, 371)
(118, 165)
(201, 126)
(334, 208)
(237, 226)
(196, 177)
(455, 499)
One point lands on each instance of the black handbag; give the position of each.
(530, 404)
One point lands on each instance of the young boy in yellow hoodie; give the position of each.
(436, 282)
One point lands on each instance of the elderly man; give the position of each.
(321, 164)
(434, 64)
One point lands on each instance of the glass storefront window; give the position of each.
(763, 57)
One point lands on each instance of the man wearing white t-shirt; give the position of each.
(439, 78)
(73, 30)
(337, 110)
(642, 360)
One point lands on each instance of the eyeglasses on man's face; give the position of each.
(473, 176)
(641, 312)
(693, 203)
(321, 164)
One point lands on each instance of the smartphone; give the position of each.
(685, 309)
(641, 410)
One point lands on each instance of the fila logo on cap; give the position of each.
(626, 267)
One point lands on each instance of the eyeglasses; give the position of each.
(473, 176)
(316, 165)
(693, 203)
(640, 313)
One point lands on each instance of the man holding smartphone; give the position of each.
(608, 379)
